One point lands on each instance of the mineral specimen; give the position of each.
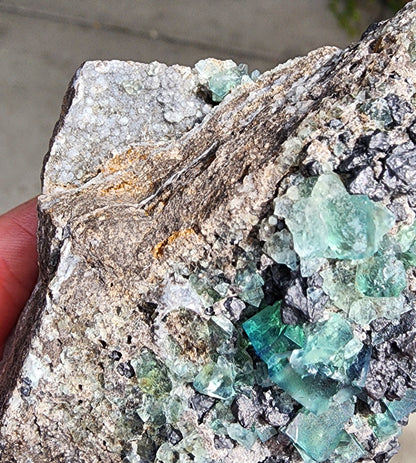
(227, 264)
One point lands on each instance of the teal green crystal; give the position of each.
(216, 379)
(365, 310)
(269, 336)
(203, 286)
(152, 375)
(220, 418)
(194, 445)
(243, 436)
(406, 240)
(340, 285)
(191, 448)
(401, 409)
(330, 349)
(223, 82)
(151, 410)
(265, 432)
(165, 454)
(319, 436)
(315, 393)
(348, 450)
(384, 426)
(331, 223)
(223, 76)
(280, 248)
(382, 275)
(316, 366)
(180, 366)
(250, 286)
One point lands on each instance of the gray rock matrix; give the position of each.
(147, 182)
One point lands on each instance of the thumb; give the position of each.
(18, 264)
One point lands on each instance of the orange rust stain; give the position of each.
(157, 251)
(125, 184)
(125, 159)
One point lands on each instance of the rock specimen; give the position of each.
(227, 264)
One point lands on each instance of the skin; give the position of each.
(18, 264)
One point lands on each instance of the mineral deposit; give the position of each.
(227, 264)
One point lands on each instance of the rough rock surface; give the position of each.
(155, 211)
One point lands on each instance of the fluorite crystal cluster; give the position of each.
(220, 77)
(322, 365)
(227, 264)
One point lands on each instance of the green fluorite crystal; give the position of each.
(331, 223)
(223, 82)
(319, 436)
(348, 450)
(313, 392)
(330, 350)
(384, 426)
(223, 76)
(401, 409)
(406, 240)
(269, 336)
(381, 276)
(280, 248)
(250, 286)
(341, 286)
(265, 432)
(216, 379)
(315, 366)
(245, 437)
(322, 366)
(152, 375)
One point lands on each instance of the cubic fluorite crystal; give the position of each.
(381, 276)
(216, 380)
(331, 223)
(319, 436)
(221, 77)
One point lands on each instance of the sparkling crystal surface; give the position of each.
(319, 436)
(401, 409)
(216, 379)
(381, 276)
(331, 223)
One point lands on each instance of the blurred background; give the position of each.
(42, 42)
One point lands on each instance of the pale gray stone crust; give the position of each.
(144, 178)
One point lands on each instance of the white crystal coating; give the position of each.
(120, 104)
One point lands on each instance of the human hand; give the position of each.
(18, 264)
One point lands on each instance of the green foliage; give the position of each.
(347, 12)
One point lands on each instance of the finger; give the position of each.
(18, 263)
